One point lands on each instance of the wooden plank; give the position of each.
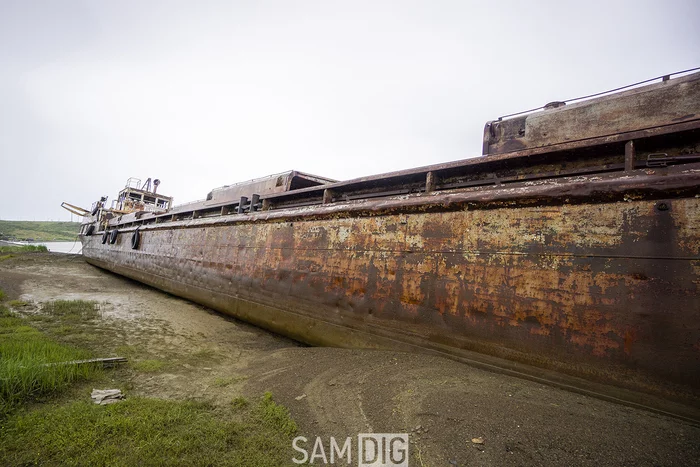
(106, 362)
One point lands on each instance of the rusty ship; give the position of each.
(567, 253)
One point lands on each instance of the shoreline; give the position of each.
(63, 247)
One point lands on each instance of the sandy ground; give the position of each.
(442, 404)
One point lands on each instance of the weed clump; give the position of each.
(149, 366)
(239, 402)
(72, 310)
(274, 415)
(5, 313)
(222, 382)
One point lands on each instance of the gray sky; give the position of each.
(203, 94)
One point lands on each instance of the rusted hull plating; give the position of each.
(556, 276)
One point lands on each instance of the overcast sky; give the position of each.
(201, 94)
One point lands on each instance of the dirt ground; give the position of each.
(442, 404)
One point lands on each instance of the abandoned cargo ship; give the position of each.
(568, 252)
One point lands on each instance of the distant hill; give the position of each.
(39, 231)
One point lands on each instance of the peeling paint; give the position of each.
(581, 289)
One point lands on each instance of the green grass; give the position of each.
(149, 366)
(127, 350)
(39, 231)
(222, 382)
(63, 330)
(141, 431)
(24, 355)
(10, 251)
(22, 249)
(72, 310)
(239, 402)
(272, 414)
(137, 431)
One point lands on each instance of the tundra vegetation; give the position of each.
(39, 231)
(47, 417)
(10, 251)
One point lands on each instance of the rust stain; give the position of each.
(562, 288)
(578, 253)
(629, 340)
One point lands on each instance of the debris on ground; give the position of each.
(106, 396)
(106, 362)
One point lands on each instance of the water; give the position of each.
(61, 247)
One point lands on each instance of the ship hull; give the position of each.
(589, 283)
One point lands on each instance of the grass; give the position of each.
(63, 330)
(204, 354)
(72, 310)
(10, 251)
(227, 381)
(149, 366)
(24, 355)
(239, 402)
(222, 382)
(126, 350)
(272, 414)
(141, 431)
(39, 231)
(137, 431)
(22, 249)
